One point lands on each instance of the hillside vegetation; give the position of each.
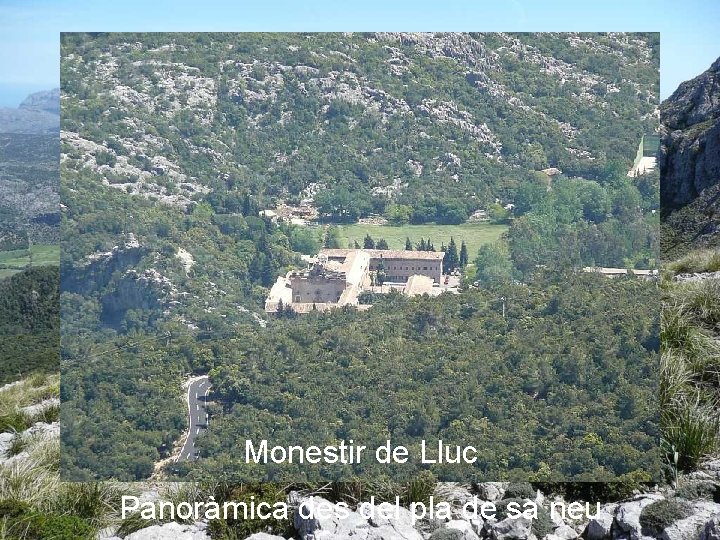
(449, 121)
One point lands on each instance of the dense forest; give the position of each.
(563, 386)
(172, 146)
(29, 323)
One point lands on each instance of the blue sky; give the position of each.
(29, 29)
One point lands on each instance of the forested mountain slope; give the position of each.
(208, 129)
(29, 323)
(29, 189)
(690, 164)
(448, 119)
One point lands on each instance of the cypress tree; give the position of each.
(452, 256)
(408, 244)
(463, 255)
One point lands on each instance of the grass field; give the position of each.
(38, 255)
(474, 234)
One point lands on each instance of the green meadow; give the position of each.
(474, 234)
(37, 255)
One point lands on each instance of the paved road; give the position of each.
(196, 399)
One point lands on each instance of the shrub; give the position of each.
(56, 527)
(656, 516)
(10, 508)
(543, 525)
(105, 158)
(699, 490)
(678, 331)
(604, 492)
(240, 528)
(447, 534)
(703, 302)
(12, 422)
(520, 490)
(383, 489)
(419, 489)
(697, 261)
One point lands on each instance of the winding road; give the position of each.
(198, 390)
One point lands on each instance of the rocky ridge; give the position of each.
(690, 160)
(38, 114)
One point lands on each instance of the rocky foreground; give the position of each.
(687, 512)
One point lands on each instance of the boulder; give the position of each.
(455, 493)
(32, 411)
(491, 491)
(328, 520)
(394, 522)
(627, 516)
(468, 533)
(565, 532)
(600, 526)
(511, 529)
(446, 534)
(691, 527)
(332, 521)
(171, 531)
(711, 531)
(5, 442)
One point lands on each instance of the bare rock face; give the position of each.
(690, 151)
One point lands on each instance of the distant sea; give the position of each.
(11, 95)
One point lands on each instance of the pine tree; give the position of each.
(463, 255)
(408, 244)
(382, 244)
(368, 243)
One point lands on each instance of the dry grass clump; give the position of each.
(696, 262)
(690, 371)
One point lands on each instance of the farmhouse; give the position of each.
(337, 277)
